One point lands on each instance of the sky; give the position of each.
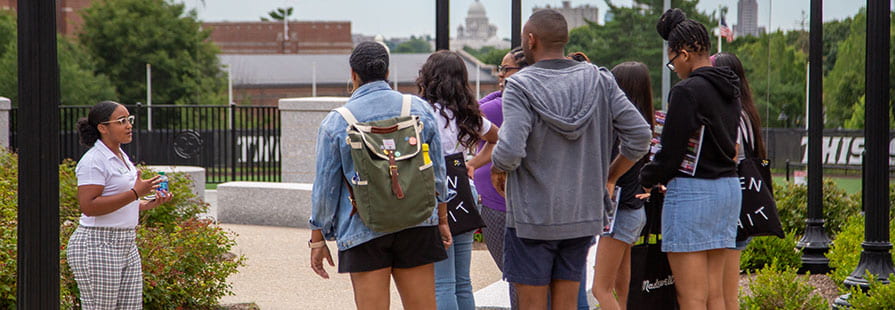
(403, 18)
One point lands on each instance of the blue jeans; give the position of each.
(453, 288)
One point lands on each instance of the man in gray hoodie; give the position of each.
(553, 156)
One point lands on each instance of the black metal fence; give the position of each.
(232, 143)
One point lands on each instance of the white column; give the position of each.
(5, 108)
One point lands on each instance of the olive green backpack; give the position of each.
(394, 187)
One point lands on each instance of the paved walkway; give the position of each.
(277, 274)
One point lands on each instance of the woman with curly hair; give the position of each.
(444, 83)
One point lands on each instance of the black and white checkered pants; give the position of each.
(106, 265)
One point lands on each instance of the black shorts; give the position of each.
(408, 248)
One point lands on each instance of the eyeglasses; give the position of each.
(670, 64)
(503, 69)
(124, 120)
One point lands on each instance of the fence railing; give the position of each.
(230, 142)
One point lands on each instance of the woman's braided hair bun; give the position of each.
(668, 21)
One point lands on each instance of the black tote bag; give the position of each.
(463, 216)
(758, 214)
(652, 284)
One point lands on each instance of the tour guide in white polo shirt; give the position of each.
(101, 252)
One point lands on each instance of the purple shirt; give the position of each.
(492, 106)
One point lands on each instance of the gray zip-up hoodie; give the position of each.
(558, 122)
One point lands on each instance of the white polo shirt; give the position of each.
(99, 166)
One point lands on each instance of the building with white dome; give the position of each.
(478, 32)
(575, 16)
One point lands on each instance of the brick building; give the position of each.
(264, 79)
(303, 37)
(68, 18)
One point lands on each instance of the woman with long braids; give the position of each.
(750, 127)
(494, 210)
(697, 164)
(444, 83)
(102, 252)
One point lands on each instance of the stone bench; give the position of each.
(264, 203)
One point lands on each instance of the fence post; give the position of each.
(5, 107)
(233, 150)
(138, 152)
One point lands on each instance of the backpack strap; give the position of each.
(346, 114)
(405, 106)
(350, 196)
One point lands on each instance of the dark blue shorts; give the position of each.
(537, 262)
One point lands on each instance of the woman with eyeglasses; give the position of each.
(494, 211)
(697, 164)
(102, 252)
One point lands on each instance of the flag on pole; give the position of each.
(725, 31)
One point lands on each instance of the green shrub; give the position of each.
(845, 252)
(792, 202)
(185, 260)
(189, 271)
(763, 251)
(775, 288)
(879, 297)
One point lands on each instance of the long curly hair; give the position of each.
(444, 80)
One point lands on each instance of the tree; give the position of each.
(786, 78)
(845, 83)
(125, 35)
(488, 54)
(279, 14)
(79, 85)
(631, 36)
(414, 45)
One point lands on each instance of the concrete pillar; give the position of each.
(300, 118)
(5, 108)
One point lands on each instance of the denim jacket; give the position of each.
(330, 207)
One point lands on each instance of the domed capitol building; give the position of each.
(478, 31)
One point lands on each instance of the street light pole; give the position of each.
(442, 24)
(516, 23)
(37, 277)
(666, 73)
(876, 257)
(815, 243)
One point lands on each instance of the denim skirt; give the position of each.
(700, 214)
(628, 225)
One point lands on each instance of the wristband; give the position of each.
(317, 245)
(135, 194)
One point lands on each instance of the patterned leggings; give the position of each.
(106, 265)
(496, 222)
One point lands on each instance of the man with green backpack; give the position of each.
(376, 189)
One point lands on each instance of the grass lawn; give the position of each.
(849, 184)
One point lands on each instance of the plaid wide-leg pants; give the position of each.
(106, 265)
